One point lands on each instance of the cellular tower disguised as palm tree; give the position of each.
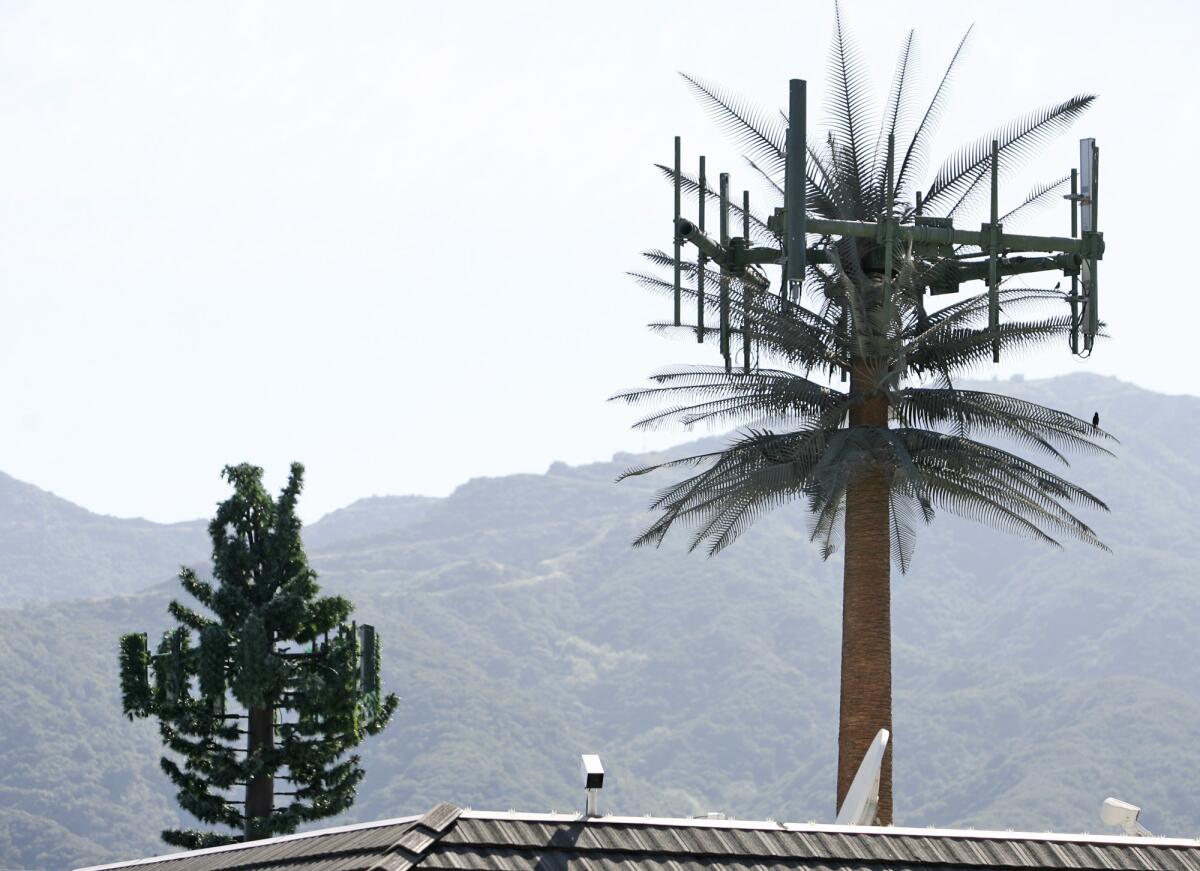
(885, 440)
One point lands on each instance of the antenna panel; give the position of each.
(1087, 183)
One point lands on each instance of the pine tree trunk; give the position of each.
(866, 693)
(260, 791)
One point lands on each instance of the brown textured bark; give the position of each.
(866, 692)
(260, 791)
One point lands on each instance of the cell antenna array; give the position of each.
(934, 240)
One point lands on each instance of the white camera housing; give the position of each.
(593, 780)
(1115, 812)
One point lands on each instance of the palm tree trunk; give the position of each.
(866, 694)
(260, 791)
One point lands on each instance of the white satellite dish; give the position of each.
(862, 800)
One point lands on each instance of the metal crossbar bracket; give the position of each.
(934, 240)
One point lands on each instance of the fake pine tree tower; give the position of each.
(269, 685)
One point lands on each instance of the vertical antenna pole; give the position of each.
(1093, 303)
(993, 256)
(723, 216)
(723, 201)
(747, 288)
(889, 234)
(1074, 278)
(701, 259)
(675, 227)
(795, 187)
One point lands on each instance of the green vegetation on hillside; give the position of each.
(51, 550)
(522, 630)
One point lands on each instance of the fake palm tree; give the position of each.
(888, 439)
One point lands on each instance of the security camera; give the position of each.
(1115, 812)
(593, 780)
(592, 771)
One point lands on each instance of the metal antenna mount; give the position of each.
(903, 231)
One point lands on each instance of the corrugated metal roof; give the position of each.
(342, 849)
(448, 837)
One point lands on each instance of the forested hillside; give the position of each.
(520, 630)
(51, 550)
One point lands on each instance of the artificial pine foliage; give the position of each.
(267, 683)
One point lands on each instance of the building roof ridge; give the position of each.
(894, 831)
(418, 839)
(418, 836)
(245, 845)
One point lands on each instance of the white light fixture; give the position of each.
(1115, 812)
(593, 780)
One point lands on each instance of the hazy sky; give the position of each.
(389, 240)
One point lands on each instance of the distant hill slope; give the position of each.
(521, 630)
(51, 549)
(366, 519)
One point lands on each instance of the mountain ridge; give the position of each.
(53, 549)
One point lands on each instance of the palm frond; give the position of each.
(849, 110)
(926, 334)
(966, 455)
(1040, 195)
(896, 112)
(717, 395)
(1030, 424)
(1018, 138)
(753, 129)
(902, 515)
(650, 468)
(972, 347)
(1001, 488)
(980, 504)
(757, 471)
(825, 192)
(917, 152)
(792, 335)
(826, 526)
(970, 195)
(771, 180)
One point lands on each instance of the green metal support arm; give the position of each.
(723, 255)
(1020, 266)
(955, 236)
(1068, 261)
